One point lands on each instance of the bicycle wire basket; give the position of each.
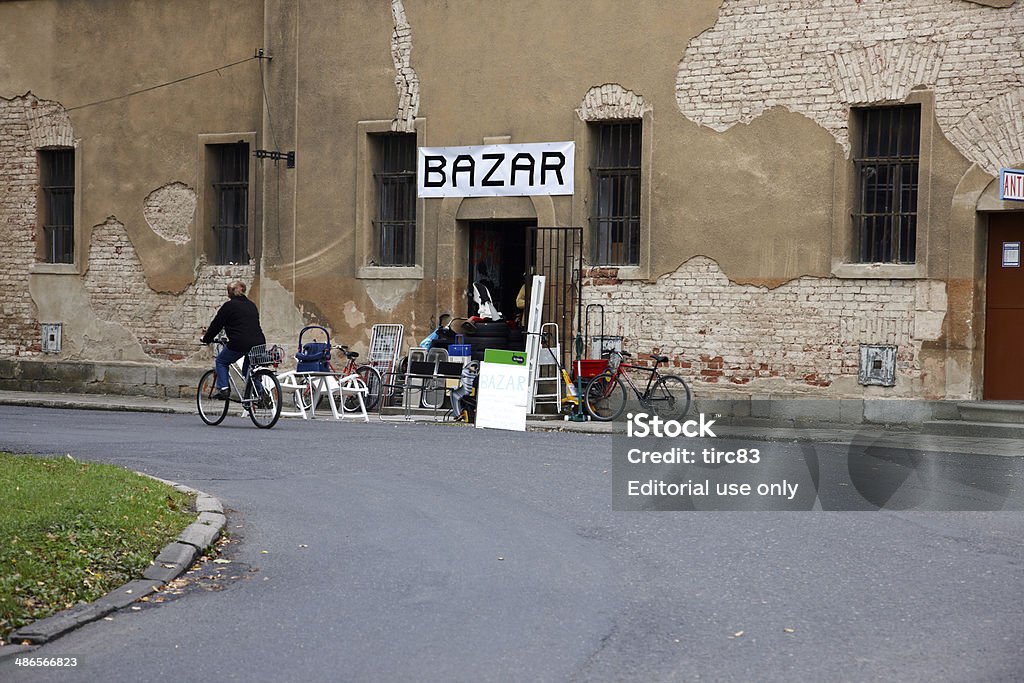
(266, 355)
(614, 359)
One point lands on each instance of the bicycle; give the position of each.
(261, 397)
(367, 373)
(604, 397)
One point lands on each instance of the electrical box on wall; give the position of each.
(599, 345)
(51, 337)
(877, 365)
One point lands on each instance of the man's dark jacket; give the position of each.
(239, 318)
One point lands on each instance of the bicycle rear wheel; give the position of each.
(265, 409)
(604, 397)
(669, 398)
(374, 384)
(303, 397)
(212, 410)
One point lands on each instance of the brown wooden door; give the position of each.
(1004, 309)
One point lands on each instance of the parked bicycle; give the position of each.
(367, 373)
(666, 396)
(260, 395)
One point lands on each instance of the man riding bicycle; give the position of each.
(240, 319)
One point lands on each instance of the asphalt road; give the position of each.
(379, 552)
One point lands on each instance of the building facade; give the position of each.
(786, 198)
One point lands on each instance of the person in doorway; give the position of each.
(522, 301)
(240, 320)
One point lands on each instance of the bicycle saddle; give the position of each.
(659, 359)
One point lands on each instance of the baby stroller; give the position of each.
(464, 395)
(314, 356)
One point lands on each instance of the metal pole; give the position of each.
(580, 414)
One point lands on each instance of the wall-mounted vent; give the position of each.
(51, 337)
(877, 365)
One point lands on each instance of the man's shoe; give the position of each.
(223, 395)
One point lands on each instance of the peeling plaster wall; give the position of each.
(406, 81)
(140, 289)
(757, 198)
(167, 326)
(19, 329)
(169, 211)
(26, 125)
(818, 58)
(803, 335)
(121, 306)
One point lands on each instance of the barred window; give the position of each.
(57, 181)
(887, 171)
(231, 197)
(395, 178)
(615, 227)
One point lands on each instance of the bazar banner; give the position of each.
(540, 168)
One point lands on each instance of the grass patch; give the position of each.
(73, 531)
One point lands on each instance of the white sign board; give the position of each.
(503, 390)
(1011, 254)
(1011, 185)
(541, 168)
(534, 310)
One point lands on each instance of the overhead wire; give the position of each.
(161, 85)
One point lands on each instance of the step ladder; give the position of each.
(547, 384)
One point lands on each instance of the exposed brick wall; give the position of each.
(818, 57)
(406, 80)
(167, 326)
(611, 101)
(26, 125)
(803, 334)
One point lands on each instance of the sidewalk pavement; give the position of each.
(840, 434)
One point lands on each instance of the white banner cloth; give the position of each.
(540, 168)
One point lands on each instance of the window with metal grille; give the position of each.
(395, 178)
(615, 223)
(887, 172)
(231, 201)
(57, 181)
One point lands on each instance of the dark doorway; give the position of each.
(497, 258)
(1004, 308)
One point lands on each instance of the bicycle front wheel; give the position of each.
(374, 384)
(604, 397)
(212, 410)
(265, 407)
(669, 398)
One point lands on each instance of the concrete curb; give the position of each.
(173, 561)
(97, 402)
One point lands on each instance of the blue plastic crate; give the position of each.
(460, 350)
